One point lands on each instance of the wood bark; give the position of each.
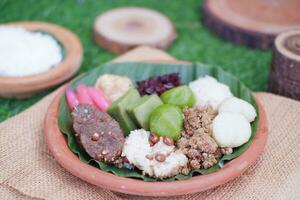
(285, 67)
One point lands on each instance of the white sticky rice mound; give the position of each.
(26, 53)
(171, 166)
(113, 86)
(137, 147)
(208, 91)
(231, 129)
(161, 147)
(236, 105)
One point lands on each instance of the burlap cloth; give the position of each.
(29, 172)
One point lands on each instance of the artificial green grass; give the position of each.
(194, 41)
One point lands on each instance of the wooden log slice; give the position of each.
(251, 23)
(122, 29)
(285, 67)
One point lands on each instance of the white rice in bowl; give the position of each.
(25, 53)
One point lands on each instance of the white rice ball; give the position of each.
(236, 105)
(231, 129)
(208, 91)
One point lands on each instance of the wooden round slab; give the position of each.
(285, 68)
(252, 23)
(26, 86)
(122, 29)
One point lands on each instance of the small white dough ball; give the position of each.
(236, 105)
(231, 129)
(208, 91)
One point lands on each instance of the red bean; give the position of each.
(153, 138)
(151, 144)
(160, 157)
(168, 141)
(95, 136)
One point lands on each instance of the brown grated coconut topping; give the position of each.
(197, 142)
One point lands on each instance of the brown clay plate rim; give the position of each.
(63, 71)
(62, 154)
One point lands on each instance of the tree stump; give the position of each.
(251, 23)
(122, 29)
(285, 68)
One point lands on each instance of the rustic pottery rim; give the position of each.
(26, 86)
(58, 147)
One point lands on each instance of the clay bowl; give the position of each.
(62, 154)
(26, 86)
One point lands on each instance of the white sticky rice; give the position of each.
(26, 53)
(137, 147)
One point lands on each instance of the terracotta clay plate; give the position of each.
(63, 155)
(26, 86)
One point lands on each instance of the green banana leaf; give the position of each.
(140, 71)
